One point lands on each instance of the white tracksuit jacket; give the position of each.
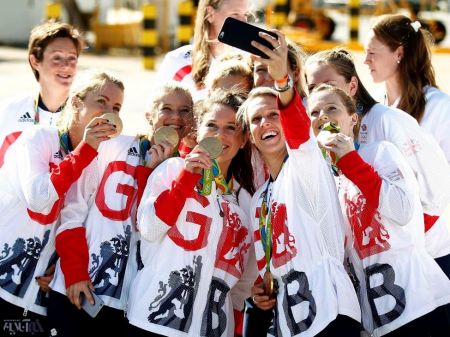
(308, 236)
(33, 183)
(17, 114)
(97, 238)
(398, 280)
(427, 162)
(193, 256)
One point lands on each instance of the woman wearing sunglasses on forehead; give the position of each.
(196, 247)
(297, 221)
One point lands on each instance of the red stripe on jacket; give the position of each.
(72, 248)
(169, 203)
(362, 175)
(295, 121)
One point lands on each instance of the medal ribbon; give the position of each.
(214, 173)
(265, 221)
(64, 142)
(144, 146)
(265, 225)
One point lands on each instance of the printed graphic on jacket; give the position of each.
(369, 234)
(108, 268)
(174, 303)
(18, 263)
(214, 320)
(232, 245)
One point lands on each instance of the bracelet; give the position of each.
(283, 80)
(288, 85)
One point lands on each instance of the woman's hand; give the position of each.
(277, 56)
(44, 281)
(197, 160)
(338, 143)
(159, 153)
(261, 300)
(97, 131)
(75, 290)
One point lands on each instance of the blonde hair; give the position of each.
(84, 83)
(200, 49)
(233, 64)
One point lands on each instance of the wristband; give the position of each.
(283, 80)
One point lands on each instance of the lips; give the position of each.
(269, 135)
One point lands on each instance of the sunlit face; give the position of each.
(173, 109)
(238, 9)
(319, 73)
(382, 62)
(58, 66)
(324, 107)
(262, 78)
(220, 122)
(265, 125)
(108, 98)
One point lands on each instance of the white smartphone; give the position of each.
(92, 309)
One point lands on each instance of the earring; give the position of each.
(398, 61)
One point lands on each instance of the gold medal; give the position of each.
(166, 134)
(212, 145)
(270, 284)
(114, 119)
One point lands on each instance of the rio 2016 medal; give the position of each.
(166, 134)
(212, 145)
(114, 119)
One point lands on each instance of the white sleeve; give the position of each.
(32, 155)
(398, 185)
(150, 226)
(425, 158)
(79, 199)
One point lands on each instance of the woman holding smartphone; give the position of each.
(297, 222)
(189, 64)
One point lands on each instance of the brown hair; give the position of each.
(41, 36)
(84, 83)
(342, 62)
(200, 49)
(296, 56)
(241, 166)
(415, 70)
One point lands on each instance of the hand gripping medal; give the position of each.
(114, 119)
(213, 146)
(166, 134)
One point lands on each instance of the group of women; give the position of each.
(289, 193)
